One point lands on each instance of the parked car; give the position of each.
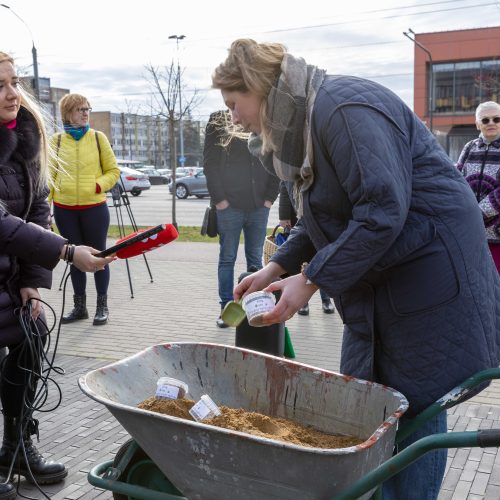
(155, 177)
(166, 172)
(181, 172)
(190, 185)
(133, 181)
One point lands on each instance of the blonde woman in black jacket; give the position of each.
(28, 251)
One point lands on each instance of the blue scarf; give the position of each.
(76, 132)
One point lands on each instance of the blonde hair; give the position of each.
(252, 67)
(222, 123)
(33, 108)
(69, 103)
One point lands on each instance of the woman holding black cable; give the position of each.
(28, 251)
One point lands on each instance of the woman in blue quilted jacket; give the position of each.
(388, 227)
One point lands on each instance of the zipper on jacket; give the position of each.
(478, 192)
(77, 168)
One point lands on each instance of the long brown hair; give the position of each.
(252, 67)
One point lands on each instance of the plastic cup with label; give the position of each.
(204, 408)
(256, 304)
(170, 388)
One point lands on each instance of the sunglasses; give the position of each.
(84, 110)
(485, 121)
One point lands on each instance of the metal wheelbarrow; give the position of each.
(172, 458)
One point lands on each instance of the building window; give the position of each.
(460, 87)
(490, 81)
(443, 90)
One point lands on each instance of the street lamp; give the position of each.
(431, 73)
(182, 159)
(36, 82)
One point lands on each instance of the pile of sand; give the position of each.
(254, 423)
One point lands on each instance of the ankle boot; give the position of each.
(43, 471)
(79, 311)
(102, 312)
(7, 490)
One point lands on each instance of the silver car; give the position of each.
(190, 185)
(133, 181)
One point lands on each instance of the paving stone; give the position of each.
(83, 432)
(479, 484)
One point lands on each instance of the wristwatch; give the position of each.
(303, 268)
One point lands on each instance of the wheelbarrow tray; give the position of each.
(208, 462)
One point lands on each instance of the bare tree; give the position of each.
(166, 88)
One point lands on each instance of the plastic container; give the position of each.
(204, 408)
(256, 304)
(170, 388)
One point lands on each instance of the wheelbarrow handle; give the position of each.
(488, 438)
(483, 439)
(449, 400)
(98, 477)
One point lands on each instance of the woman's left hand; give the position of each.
(36, 305)
(294, 294)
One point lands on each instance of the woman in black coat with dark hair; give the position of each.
(28, 251)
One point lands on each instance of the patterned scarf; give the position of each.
(76, 132)
(290, 105)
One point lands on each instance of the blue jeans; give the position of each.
(422, 479)
(230, 223)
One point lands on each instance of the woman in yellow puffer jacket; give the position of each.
(83, 169)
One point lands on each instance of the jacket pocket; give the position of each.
(417, 232)
(424, 280)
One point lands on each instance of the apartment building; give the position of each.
(135, 137)
(457, 71)
(49, 99)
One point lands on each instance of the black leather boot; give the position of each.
(43, 471)
(102, 311)
(7, 490)
(79, 311)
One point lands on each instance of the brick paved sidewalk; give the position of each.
(181, 305)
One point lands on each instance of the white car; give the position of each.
(133, 181)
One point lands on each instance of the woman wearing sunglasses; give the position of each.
(479, 162)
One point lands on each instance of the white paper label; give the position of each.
(204, 408)
(167, 391)
(200, 410)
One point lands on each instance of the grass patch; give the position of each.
(186, 233)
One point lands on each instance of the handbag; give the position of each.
(209, 224)
(273, 242)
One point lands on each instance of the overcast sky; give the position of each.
(99, 47)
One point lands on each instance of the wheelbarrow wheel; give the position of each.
(142, 471)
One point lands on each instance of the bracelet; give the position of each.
(303, 268)
(69, 253)
(65, 257)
